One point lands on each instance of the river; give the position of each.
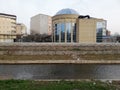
(60, 71)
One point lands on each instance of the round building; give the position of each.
(64, 25)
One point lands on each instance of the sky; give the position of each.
(25, 9)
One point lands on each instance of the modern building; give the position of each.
(68, 26)
(21, 29)
(64, 25)
(41, 24)
(7, 27)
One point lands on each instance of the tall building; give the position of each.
(21, 29)
(68, 26)
(41, 24)
(7, 27)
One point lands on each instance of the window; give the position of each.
(68, 28)
(101, 31)
(74, 31)
(62, 32)
(65, 29)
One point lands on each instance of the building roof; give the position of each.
(3, 14)
(67, 11)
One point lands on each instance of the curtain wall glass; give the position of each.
(64, 32)
(74, 32)
(68, 28)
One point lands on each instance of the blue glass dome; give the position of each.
(67, 11)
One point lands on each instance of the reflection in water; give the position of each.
(60, 71)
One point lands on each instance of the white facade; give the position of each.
(41, 24)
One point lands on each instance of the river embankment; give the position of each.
(25, 53)
(59, 61)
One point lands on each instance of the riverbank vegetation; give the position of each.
(55, 85)
(62, 57)
(35, 57)
(100, 56)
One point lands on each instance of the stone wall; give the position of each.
(58, 48)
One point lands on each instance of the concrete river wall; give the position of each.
(73, 50)
(57, 48)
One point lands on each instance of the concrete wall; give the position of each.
(57, 48)
(87, 30)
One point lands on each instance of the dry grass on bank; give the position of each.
(62, 57)
(100, 57)
(35, 57)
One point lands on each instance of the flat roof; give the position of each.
(7, 15)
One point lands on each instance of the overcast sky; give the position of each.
(25, 9)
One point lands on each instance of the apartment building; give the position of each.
(7, 27)
(21, 29)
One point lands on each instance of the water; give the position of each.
(60, 71)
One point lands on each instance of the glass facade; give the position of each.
(68, 28)
(65, 32)
(62, 32)
(57, 31)
(64, 27)
(74, 32)
(101, 31)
